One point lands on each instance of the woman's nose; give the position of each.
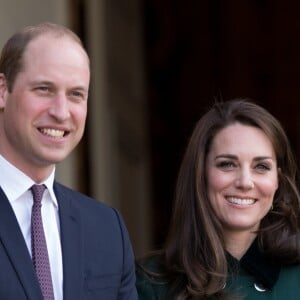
(244, 180)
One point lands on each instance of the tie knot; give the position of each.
(37, 192)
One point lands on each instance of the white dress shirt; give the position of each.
(16, 185)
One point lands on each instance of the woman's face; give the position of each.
(242, 177)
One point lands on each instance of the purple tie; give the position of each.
(38, 244)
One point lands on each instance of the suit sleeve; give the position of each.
(127, 290)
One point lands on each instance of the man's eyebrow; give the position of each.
(42, 82)
(47, 82)
(81, 88)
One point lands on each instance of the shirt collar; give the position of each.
(15, 183)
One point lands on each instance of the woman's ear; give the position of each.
(3, 90)
(278, 176)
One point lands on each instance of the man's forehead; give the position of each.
(43, 43)
(50, 38)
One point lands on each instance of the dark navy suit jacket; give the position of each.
(97, 255)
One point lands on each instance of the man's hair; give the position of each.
(11, 59)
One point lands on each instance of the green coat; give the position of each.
(253, 275)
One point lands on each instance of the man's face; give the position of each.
(43, 118)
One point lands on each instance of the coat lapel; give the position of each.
(16, 249)
(72, 253)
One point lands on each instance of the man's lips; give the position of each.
(54, 133)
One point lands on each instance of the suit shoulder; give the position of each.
(81, 200)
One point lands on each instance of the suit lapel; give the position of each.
(71, 240)
(16, 249)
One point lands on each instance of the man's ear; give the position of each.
(3, 90)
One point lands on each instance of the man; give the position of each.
(44, 82)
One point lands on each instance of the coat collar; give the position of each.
(265, 270)
(71, 240)
(16, 249)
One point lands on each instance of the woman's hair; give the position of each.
(194, 254)
(11, 60)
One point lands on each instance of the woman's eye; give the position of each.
(263, 167)
(226, 165)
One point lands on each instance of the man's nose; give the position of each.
(59, 108)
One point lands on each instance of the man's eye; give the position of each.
(43, 88)
(77, 94)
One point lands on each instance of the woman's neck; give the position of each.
(237, 243)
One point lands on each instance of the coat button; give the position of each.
(259, 287)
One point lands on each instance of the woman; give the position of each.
(234, 233)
